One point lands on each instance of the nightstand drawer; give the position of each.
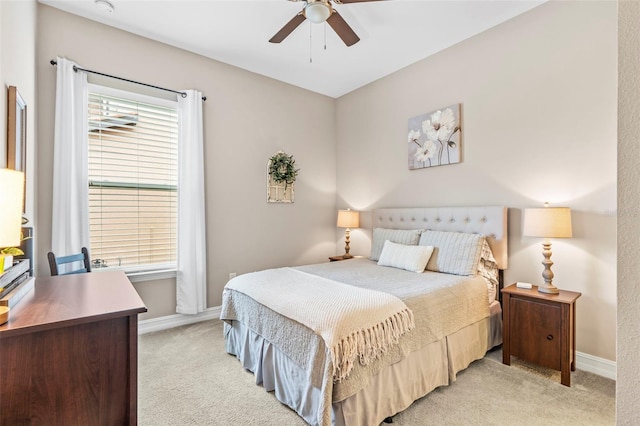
(538, 328)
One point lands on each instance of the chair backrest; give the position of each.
(83, 257)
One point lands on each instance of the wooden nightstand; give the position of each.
(540, 328)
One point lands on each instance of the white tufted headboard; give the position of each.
(490, 221)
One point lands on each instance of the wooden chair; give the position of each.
(83, 257)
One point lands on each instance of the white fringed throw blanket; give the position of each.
(355, 323)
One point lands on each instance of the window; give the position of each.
(132, 180)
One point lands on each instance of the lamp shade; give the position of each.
(348, 219)
(548, 222)
(11, 201)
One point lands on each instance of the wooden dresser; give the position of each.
(69, 353)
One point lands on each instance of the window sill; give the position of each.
(135, 277)
(140, 276)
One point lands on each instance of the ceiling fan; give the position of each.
(319, 11)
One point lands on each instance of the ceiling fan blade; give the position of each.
(343, 29)
(288, 28)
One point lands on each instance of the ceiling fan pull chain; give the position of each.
(310, 44)
(325, 35)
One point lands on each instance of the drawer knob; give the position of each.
(550, 337)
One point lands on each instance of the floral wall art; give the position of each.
(434, 138)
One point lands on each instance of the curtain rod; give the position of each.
(76, 69)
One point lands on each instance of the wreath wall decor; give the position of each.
(281, 176)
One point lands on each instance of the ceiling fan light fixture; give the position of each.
(317, 11)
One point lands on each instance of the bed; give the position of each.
(455, 318)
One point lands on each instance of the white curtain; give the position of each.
(70, 207)
(191, 281)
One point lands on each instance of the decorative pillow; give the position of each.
(454, 252)
(410, 258)
(487, 267)
(380, 235)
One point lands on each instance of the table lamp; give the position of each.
(547, 222)
(348, 219)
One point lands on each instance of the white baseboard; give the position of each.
(170, 321)
(593, 364)
(585, 362)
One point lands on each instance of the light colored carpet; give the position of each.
(187, 378)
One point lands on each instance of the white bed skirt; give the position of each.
(410, 379)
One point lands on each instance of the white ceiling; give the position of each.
(393, 34)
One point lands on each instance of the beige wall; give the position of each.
(17, 68)
(538, 98)
(247, 118)
(628, 383)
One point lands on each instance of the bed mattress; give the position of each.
(291, 360)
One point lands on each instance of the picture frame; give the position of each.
(435, 138)
(17, 134)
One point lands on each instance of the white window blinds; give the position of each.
(132, 181)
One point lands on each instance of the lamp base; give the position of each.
(549, 289)
(347, 256)
(547, 274)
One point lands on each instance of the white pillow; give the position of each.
(454, 252)
(410, 258)
(400, 236)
